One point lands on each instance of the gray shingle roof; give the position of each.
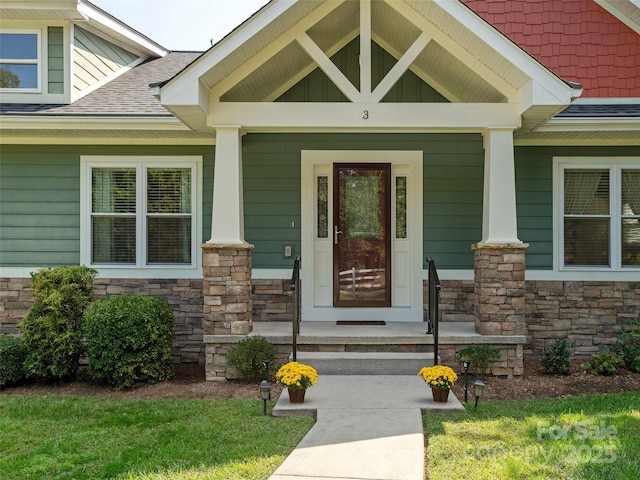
(601, 110)
(127, 95)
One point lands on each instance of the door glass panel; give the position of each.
(322, 192)
(401, 207)
(361, 235)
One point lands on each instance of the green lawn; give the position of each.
(52, 437)
(588, 437)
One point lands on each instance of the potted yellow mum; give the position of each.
(296, 377)
(440, 378)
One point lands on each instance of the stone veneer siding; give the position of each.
(184, 295)
(589, 313)
(16, 298)
(457, 299)
(499, 272)
(226, 289)
(272, 300)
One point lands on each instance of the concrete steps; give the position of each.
(365, 363)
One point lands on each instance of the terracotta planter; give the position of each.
(296, 395)
(440, 395)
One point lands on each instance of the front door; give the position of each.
(362, 235)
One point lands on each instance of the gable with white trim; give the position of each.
(445, 44)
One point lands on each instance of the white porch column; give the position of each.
(499, 220)
(227, 224)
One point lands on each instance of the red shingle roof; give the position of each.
(577, 39)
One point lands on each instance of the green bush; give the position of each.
(556, 357)
(481, 357)
(12, 355)
(52, 331)
(129, 340)
(628, 345)
(604, 362)
(248, 356)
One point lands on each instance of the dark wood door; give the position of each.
(362, 235)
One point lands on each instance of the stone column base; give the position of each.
(499, 272)
(226, 289)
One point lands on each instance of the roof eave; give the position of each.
(91, 122)
(627, 11)
(103, 21)
(574, 124)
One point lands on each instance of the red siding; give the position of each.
(577, 39)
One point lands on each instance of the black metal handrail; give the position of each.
(295, 311)
(433, 314)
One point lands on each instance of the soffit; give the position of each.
(466, 60)
(436, 65)
(243, 44)
(88, 16)
(39, 10)
(394, 32)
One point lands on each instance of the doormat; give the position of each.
(361, 322)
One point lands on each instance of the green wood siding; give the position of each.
(40, 208)
(534, 195)
(55, 60)
(40, 199)
(453, 178)
(40, 188)
(95, 59)
(316, 87)
(271, 172)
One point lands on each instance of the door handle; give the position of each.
(336, 232)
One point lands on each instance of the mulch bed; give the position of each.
(189, 382)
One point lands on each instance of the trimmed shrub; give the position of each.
(12, 355)
(604, 362)
(556, 357)
(249, 355)
(481, 357)
(129, 340)
(52, 331)
(628, 345)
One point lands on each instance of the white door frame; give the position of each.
(406, 253)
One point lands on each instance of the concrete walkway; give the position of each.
(368, 427)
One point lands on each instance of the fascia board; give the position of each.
(560, 92)
(613, 8)
(533, 93)
(40, 4)
(190, 104)
(212, 57)
(607, 101)
(34, 122)
(194, 93)
(64, 10)
(591, 124)
(122, 33)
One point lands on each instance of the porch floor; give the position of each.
(450, 333)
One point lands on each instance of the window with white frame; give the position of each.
(142, 214)
(20, 60)
(600, 214)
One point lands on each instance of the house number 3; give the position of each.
(365, 114)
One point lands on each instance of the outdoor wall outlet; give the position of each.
(288, 251)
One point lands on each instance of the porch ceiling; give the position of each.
(463, 58)
(395, 33)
